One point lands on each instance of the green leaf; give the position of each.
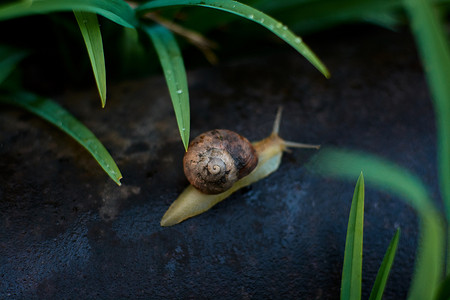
(385, 268)
(444, 289)
(116, 10)
(435, 54)
(409, 188)
(308, 16)
(173, 67)
(345, 164)
(430, 257)
(434, 51)
(251, 14)
(92, 36)
(61, 118)
(352, 269)
(9, 58)
(386, 19)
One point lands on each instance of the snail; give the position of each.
(220, 162)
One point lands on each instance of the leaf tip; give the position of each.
(186, 143)
(102, 98)
(185, 137)
(361, 177)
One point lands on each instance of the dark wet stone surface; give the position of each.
(67, 231)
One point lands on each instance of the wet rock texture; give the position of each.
(66, 230)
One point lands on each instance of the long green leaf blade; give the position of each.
(385, 175)
(172, 63)
(382, 173)
(249, 13)
(9, 58)
(116, 10)
(352, 269)
(61, 118)
(385, 268)
(434, 51)
(92, 36)
(430, 257)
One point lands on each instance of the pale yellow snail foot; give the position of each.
(269, 151)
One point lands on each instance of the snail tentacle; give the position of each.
(287, 144)
(276, 123)
(300, 145)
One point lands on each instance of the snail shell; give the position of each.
(216, 159)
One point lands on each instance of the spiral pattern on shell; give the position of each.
(216, 159)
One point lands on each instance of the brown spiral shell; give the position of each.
(216, 159)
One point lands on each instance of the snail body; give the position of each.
(265, 158)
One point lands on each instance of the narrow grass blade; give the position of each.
(9, 58)
(92, 36)
(61, 118)
(249, 13)
(434, 51)
(385, 175)
(116, 10)
(173, 67)
(444, 289)
(352, 269)
(385, 268)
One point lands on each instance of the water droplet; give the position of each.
(251, 16)
(285, 27)
(271, 26)
(180, 91)
(262, 20)
(298, 40)
(279, 25)
(184, 129)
